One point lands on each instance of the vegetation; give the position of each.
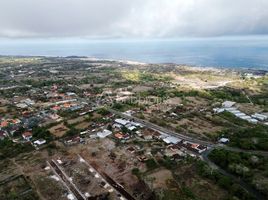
(246, 166)
(151, 164)
(103, 111)
(42, 133)
(72, 132)
(229, 94)
(254, 138)
(9, 149)
(138, 76)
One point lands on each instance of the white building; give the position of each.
(240, 114)
(218, 110)
(224, 140)
(104, 133)
(22, 105)
(254, 121)
(40, 142)
(130, 127)
(260, 117)
(121, 121)
(171, 140)
(231, 109)
(228, 104)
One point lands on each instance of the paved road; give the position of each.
(262, 153)
(243, 184)
(204, 156)
(184, 137)
(161, 129)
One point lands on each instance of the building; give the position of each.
(171, 140)
(29, 102)
(22, 105)
(119, 136)
(129, 112)
(218, 110)
(224, 140)
(131, 127)
(39, 142)
(260, 117)
(104, 133)
(254, 121)
(4, 124)
(122, 121)
(27, 135)
(228, 104)
(131, 149)
(3, 134)
(117, 126)
(194, 147)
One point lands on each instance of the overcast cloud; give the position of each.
(132, 18)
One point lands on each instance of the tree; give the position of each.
(109, 127)
(151, 164)
(103, 111)
(136, 172)
(72, 132)
(124, 129)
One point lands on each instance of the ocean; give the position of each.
(227, 52)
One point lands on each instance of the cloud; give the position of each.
(132, 18)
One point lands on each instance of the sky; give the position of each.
(132, 18)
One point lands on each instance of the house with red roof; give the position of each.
(27, 135)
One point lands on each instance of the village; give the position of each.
(94, 132)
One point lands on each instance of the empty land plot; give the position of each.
(3, 109)
(16, 187)
(85, 86)
(50, 187)
(205, 125)
(142, 88)
(202, 80)
(187, 176)
(196, 102)
(58, 130)
(175, 101)
(83, 178)
(249, 108)
(200, 126)
(159, 178)
(118, 168)
(83, 125)
(7, 169)
(76, 120)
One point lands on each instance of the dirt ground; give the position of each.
(188, 176)
(44, 184)
(202, 126)
(249, 108)
(3, 109)
(141, 88)
(175, 101)
(58, 130)
(82, 126)
(159, 178)
(202, 80)
(76, 120)
(81, 176)
(98, 153)
(32, 166)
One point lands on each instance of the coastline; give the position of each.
(243, 70)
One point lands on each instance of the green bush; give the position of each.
(151, 164)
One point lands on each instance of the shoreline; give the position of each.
(257, 71)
